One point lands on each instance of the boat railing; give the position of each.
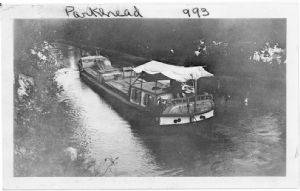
(190, 99)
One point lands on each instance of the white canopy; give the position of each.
(178, 73)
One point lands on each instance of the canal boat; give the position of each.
(157, 92)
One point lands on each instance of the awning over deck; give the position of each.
(161, 70)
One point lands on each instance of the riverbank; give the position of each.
(45, 142)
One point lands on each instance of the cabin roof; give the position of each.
(179, 73)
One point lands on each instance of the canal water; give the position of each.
(240, 140)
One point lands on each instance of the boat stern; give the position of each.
(177, 120)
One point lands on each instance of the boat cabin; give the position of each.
(162, 82)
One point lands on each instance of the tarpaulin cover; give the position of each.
(100, 61)
(178, 73)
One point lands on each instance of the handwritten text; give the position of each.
(100, 12)
(198, 12)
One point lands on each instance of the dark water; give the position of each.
(240, 140)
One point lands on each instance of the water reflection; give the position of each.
(110, 135)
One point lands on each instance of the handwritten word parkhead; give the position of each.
(95, 12)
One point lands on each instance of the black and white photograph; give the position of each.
(130, 96)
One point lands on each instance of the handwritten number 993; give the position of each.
(198, 12)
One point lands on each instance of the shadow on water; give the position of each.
(185, 150)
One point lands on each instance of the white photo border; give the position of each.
(218, 9)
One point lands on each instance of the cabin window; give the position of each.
(147, 100)
(136, 95)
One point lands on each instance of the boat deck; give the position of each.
(124, 83)
(150, 87)
(121, 85)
